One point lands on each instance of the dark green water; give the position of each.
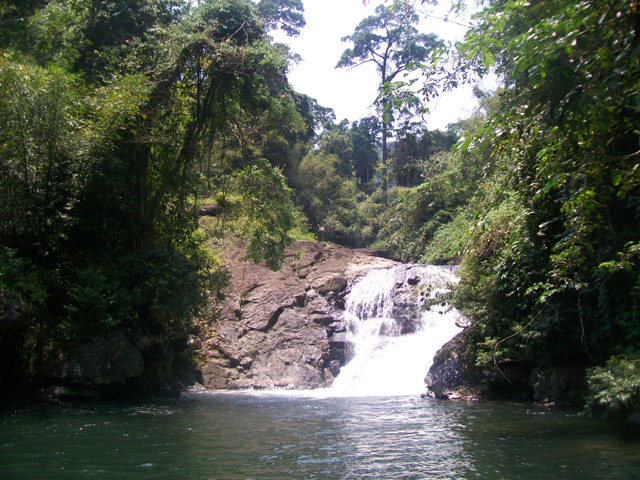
(292, 436)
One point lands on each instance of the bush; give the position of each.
(615, 387)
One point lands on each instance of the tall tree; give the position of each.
(390, 40)
(365, 140)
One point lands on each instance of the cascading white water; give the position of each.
(384, 362)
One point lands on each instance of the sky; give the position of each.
(350, 92)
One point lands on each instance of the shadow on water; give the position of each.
(287, 435)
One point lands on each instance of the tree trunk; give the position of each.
(384, 161)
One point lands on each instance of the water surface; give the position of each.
(311, 436)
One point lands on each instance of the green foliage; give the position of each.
(615, 386)
(449, 242)
(448, 181)
(539, 199)
(41, 155)
(414, 155)
(122, 36)
(114, 116)
(19, 278)
(550, 272)
(336, 142)
(331, 202)
(364, 153)
(270, 211)
(57, 31)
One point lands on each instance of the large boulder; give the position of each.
(87, 369)
(453, 375)
(101, 361)
(283, 329)
(450, 375)
(563, 385)
(114, 366)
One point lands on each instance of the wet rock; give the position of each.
(634, 421)
(14, 323)
(407, 315)
(453, 375)
(103, 360)
(557, 386)
(508, 381)
(450, 376)
(545, 385)
(325, 320)
(337, 327)
(408, 294)
(57, 394)
(339, 348)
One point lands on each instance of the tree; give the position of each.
(390, 40)
(287, 15)
(365, 140)
(336, 141)
(413, 153)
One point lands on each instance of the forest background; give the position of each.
(119, 119)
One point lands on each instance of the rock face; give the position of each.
(102, 361)
(13, 326)
(112, 366)
(283, 329)
(275, 329)
(85, 371)
(406, 305)
(450, 376)
(453, 376)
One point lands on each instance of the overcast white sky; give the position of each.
(350, 92)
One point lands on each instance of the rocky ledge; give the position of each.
(453, 375)
(283, 329)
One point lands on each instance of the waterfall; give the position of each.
(393, 339)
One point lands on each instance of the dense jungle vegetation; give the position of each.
(119, 119)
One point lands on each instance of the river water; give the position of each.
(372, 424)
(289, 435)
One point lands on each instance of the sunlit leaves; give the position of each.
(269, 210)
(57, 31)
(107, 119)
(116, 107)
(569, 123)
(286, 15)
(39, 122)
(615, 387)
